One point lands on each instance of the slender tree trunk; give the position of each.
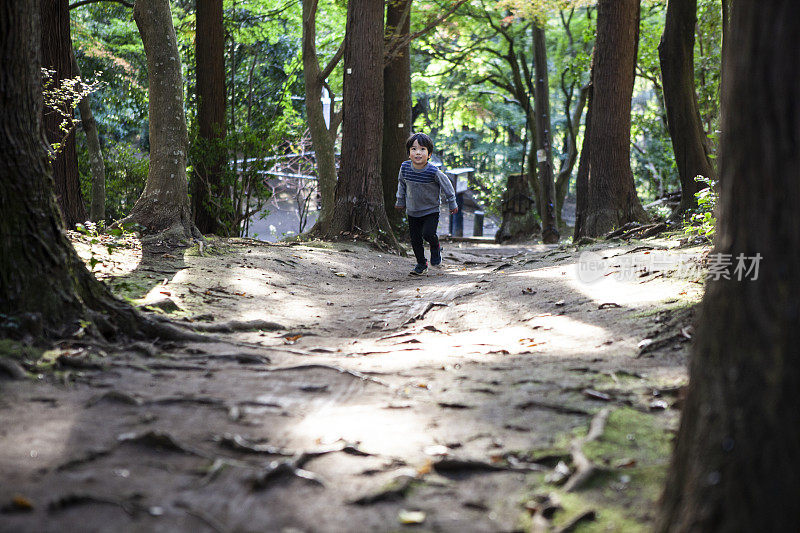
(584, 169)
(676, 52)
(738, 449)
(358, 207)
(544, 138)
(571, 151)
(323, 136)
(211, 99)
(97, 211)
(163, 208)
(396, 105)
(57, 56)
(612, 200)
(45, 289)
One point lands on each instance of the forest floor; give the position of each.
(369, 400)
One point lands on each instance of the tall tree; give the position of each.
(738, 448)
(323, 135)
(544, 137)
(45, 289)
(358, 206)
(689, 142)
(612, 200)
(163, 208)
(210, 58)
(97, 209)
(57, 56)
(396, 101)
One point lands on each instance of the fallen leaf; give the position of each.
(425, 468)
(21, 503)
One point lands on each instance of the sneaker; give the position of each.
(436, 259)
(419, 270)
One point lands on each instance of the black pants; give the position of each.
(424, 228)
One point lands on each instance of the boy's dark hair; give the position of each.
(422, 139)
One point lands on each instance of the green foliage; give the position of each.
(126, 174)
(62, 97)
(702, 221)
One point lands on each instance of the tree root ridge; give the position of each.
(584, 468)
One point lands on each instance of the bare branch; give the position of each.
(87, 2)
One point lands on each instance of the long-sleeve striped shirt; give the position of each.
(419, 191)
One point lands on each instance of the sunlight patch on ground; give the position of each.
(380, 431)
(607, 289)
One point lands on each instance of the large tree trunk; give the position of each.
(45, 289)
(358, 207)
(676, 53)
(396, 105)
(612, 200)
(210, 59)
(323, 136)
(738, 449)
(163, 208)
(97, 210)
(57, 56)
(544, 142)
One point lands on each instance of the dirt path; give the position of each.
(450, 401)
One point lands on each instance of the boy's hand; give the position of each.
(399, 207)
(454, 211)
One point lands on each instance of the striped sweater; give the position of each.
(419, 190)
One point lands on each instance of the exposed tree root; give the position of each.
(563, 409)
(584, 468)
(395, 490)
(355, 374)
(238, 325)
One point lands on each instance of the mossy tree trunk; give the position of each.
(738, 448)
(163, 208)
(45, 289)
(323, 136)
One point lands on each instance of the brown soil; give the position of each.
(456, 394)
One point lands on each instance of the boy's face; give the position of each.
(419, 155)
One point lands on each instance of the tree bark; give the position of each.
(211, 99)
(612, 200)
(323, 136)
(519, 218)
(57, 56)
(45, 289)
(396, 105)
(676, 54)
(570, 150)
(738, 448)
(584, 169)
(358, 206)
(163, 208)
(97, 210)
(544, 148)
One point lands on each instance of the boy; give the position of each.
(419, 186)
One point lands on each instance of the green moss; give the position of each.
(632, 456)
(18, 351)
